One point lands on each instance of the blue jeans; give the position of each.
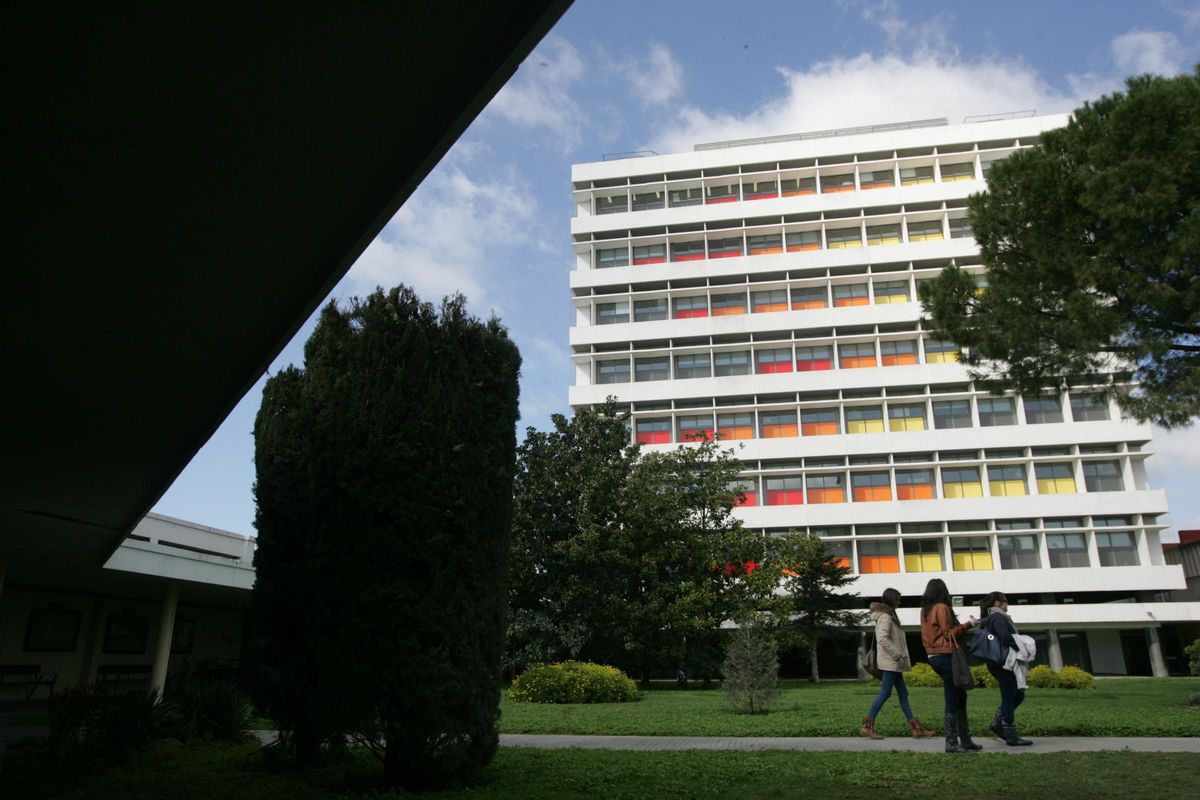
(956, 698)
(1010, 695)
(891, 679)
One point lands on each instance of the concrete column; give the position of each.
(1055, 654)
(162, 643)
(1158, 665)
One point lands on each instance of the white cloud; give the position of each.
(1157, 52)
(656, 81)
(539, 94)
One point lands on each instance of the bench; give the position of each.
(30, 675)
(121, 673)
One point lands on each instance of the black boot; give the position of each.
(1011, 738)
(951, 725)
(964, 733)
(995, 726)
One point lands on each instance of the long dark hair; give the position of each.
(891, 597)
(985, 605)
(935, 592)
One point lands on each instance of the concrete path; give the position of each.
(1052, 744)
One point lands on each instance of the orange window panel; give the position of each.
(843, 302)
(807, 305)
(740, 432)
(798, 192)
(842, 562)
(874, 564)
(915, 491)
(730, 311)
(818, 496)
(799, 248)
(878, 185)
(778, 431)
(858, 362)
(899, 359)
(872, 494)
(762, 251)
(760, 308)
(833, 189)
(820, 428)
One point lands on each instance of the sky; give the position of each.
(492, 219)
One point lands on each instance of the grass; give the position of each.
(241, 773)
(1117, 707)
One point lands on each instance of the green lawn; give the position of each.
(1116, 707)
(239, 773)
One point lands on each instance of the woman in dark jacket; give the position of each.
(939, 629)
(993, 611)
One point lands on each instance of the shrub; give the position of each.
(88, 723)
(209, 707)
(751, 671)
(983, 678)
(1194, 699)
(1042, 677)
(922, 675)
(572, 682)
(1075, 678)
(1193, 654)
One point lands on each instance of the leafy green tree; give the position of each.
(1091, 242)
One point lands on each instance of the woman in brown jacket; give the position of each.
(939, 627)
(891, 652)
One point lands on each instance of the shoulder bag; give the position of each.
(985, 646)
(870, 661)
(961, 670)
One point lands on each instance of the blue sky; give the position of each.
(492, 219)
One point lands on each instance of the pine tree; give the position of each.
(751, 671)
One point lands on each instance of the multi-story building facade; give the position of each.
(764, 292)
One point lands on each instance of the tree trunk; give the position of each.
(816, 673)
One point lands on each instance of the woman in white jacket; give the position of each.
(893, 660)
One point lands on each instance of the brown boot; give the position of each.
(868, 728)
(919, 731)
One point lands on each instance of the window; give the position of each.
(941, 352)
(809, 297)
(850, 294)
(748, 489)
(923, 555)
(777, 424)
(1088, 407)
(793, 187)
(891, 292)
(687, 251)
(695, 365)
(912, 176)
(653, 431)
(951, 414)
(883, 234)
(837, 183)
(841, 238)
(686, 197)
(774, 360)
(725, 248)
(971, 553)
(1039, 410)
(1055, 478)
(960, 228)
(995, 411)
(1103, 476)
(877, 179)
(819, 422)
(649, 254)
(652, 369)
(914, 484)
(826, 489)
(1116, 548)
(1067, 550)
(927, 231)
(1007, 480)
(878, 556)
(766, 245)
(785, 491)
(612, 205)
(906, 417)
(1111, 522)
(647, 201)
(839, 553)
(813, 359)
(963, 171)
(856, 356)
(1062, 522)
(691, 307)
(961, 482)
(870, 487)
(868, 419)
(760, 190)
(1019, 552)
(799, 241)
(649, 310)
(773, 300)
(612, 313)
(897, 354)
(612, 257)
(731, 363)
(695, 428)
(721, 194)
(612, 371)
(728, 305)
(735, 426)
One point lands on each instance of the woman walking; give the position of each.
(939, 631)
(893, 661)
(993, 611)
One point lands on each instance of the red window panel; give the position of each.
(654, 437)
(748, 499)
(725, 254)
(724, 199)
(785, 497)
(690, 313)
(814, 364)
(778, 366)
(761, 196)
(695, 434)
(651, 260)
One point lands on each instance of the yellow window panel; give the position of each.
(960, 490)
(1006, 488)
(898, 425)
(926, 237)
(1056, 485)
(864, 426)
(953, 178)
(882, 299)
(916, 181)
(972, 562)
(884, 240)
(846, 244)
(922, 562)
(948, 357)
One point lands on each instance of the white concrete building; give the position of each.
(764, 291)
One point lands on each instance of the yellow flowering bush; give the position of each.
(572, 682)
(922, 675)
(1043, 677)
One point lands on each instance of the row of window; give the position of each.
(973, 526)
(735, 243)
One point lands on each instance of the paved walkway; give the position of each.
(1051, 744)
